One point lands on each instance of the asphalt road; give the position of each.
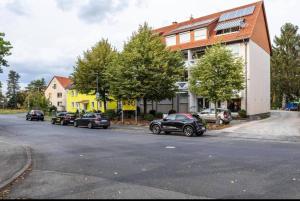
(131, 163)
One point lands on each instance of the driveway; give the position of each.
(282, 126)
(73, 162)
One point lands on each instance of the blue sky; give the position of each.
(49, 35)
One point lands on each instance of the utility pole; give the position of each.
(97, 93)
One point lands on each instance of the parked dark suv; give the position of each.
(35, 115)
(92, 120)
(189, 124)
(64, 118)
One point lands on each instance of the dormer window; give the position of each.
(185, 37)
(171, 40)
(54, 86)
(201, 34)
(230, 26)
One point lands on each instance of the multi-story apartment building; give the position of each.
(244, 30)
(56, 92)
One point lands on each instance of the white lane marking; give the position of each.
(170, 147)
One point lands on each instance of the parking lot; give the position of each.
(124, 162)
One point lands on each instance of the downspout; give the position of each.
(246, 74)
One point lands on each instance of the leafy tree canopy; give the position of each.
(218, 75)
(5, 47)
(146, 68)
(94, 64)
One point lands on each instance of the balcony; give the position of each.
(182, 86)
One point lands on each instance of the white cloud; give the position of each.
(49, 35)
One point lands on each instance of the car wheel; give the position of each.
(62, 123)
(53, 121)
(188, 131)
(90, 125)
(156, 130)
(105, 127)
(167, 132)
(75, 124)
(30, 119)
(221, 121)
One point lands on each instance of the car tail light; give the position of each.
(225, 114)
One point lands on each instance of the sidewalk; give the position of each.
(14, 161)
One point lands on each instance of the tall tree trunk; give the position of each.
(283, 101)
(104, 101)
(216, 114)
(145, 105)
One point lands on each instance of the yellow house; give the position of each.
(88, 103)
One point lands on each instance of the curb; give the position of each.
(6, 183)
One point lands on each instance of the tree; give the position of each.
(218, 75)
(5, 47)
(37, 85)
(35, 100)
(12, 88)
(92, 68)
(285, 66)
(146, 69)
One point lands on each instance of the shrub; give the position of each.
(149, 117)
(243, 114)
(153, 112)
(111, 114)
(159, 115)
(172, 112)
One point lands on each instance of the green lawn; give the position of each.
(8, 111)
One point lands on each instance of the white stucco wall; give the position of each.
(54, 99)
(259, 80)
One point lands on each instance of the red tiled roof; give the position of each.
(64, 81)
(244, 33)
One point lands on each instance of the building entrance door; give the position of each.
(203, 104)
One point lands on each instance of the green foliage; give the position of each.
(146, 69)
(148, 117)
(38, 101)
(37, 85)
(285, 66)
(172, 112)
(218, 75)
(12, 89)
(159, 115)
(111, 114)
(243, 114)
(5, 47)
(95, 63)
(153, 112)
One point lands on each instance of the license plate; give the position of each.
(104, 121)
(71, 121)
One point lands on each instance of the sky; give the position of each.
(49, 35)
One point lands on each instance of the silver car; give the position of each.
(223, 115)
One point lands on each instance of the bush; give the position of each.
(149, 117)
(172, 112)
(243, 114)
(111, 114)
(159, 115)
(153, 112)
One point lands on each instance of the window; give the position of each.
(73, 104)
(93, 105)
(77, 105)
(185, 37)
(59, 95)
(181, 117)
(171, 40)
(171, 117)
(201, 34)
(72, 93)
(229, 30)
(59, 103)
(54, 86)
(235, 49)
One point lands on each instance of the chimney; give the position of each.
(191, 18)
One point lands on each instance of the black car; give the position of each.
(92, 120)
(35, 115)
(189, 124)
(64, 118)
